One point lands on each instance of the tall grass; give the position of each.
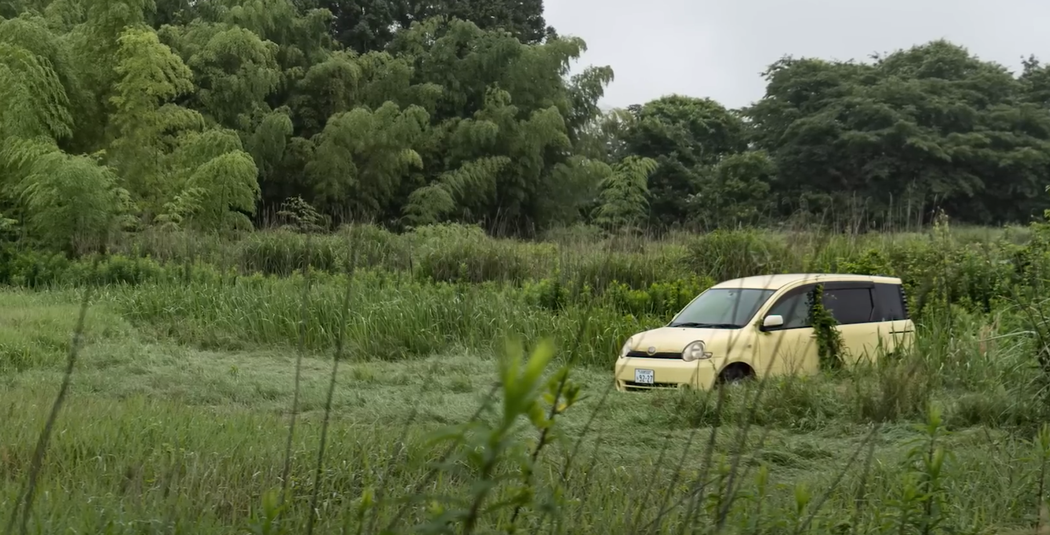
(947, 438)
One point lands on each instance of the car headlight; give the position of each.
(626, 347)
(695, 351)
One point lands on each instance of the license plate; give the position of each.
(645, 377)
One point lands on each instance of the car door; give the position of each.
(790, 348)
(891, 313)
(853, 307)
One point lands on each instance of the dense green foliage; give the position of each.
(217, 115)
(929, 124)
(470, 289)
(209, 115)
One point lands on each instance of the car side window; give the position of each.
(849, 305)
(889, 303)
(794, 308)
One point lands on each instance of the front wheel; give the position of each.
(735, 374)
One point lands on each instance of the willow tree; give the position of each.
(32, 34)
(625, 194)
(33, 102)
(65, 201)
(362, 155)
(72, 202)
(38, 181)
(179, 169)
(146, 122)
(233, 68)
(502, 139)
(213, 180)
(485, 154)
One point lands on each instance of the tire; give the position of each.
(735, 374)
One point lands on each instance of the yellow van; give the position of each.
(759, 326)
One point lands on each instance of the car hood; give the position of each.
(674, 339)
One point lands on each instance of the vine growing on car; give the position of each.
(829, 340)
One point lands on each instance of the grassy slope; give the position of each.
(156, 435)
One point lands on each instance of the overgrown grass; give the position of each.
(178, 413)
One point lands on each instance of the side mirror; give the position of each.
(773, 321)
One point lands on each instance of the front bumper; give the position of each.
(636, 373)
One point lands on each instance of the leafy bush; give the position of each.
(724, 255)
(458, 253)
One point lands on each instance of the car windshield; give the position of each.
(722, 308)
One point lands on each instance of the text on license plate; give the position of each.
(645, 377)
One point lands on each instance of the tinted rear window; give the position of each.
(849, 305)
(889, 303)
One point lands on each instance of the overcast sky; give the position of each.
(718, 49)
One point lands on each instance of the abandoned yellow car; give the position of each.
(760, 326)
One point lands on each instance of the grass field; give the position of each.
(180, 403)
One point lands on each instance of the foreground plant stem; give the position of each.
(45, 435)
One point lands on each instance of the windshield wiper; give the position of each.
(694, 325)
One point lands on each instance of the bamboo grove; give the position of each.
(118, 115)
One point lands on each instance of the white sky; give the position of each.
(718, 49)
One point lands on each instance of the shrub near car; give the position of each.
(759, 326)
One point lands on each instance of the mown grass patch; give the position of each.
(178, 412)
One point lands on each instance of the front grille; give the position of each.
(631, 385)
(644, 355)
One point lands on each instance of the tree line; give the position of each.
(211, 114)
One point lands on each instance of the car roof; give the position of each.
(778, 281)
